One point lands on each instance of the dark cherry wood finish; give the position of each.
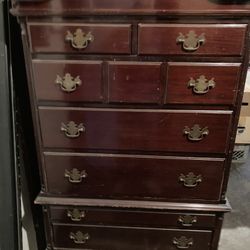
(116, 217)
(133, 198)
(133, 177)
(141, 130)
(226, 78)
(108, 38)
(157, 39)
(110, 238)
(90, 73)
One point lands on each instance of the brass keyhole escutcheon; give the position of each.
(68, 83)
(190, 180)
(76, 214)
(201, 85)
(183, 242)
(187, 220)
(74, 175)
(72, 130)
(191, 41)
(79, 39)
(79, 237)
(196, 133)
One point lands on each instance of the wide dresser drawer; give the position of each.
(191, 39)
(135, 129)
(133, 176)
(80, 38)
(118, 217)
(122, 238)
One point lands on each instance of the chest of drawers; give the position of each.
(135, 105)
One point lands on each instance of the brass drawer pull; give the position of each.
(196, 133)
(191, 41)
(79, 237)
(76, 214)
(72, 130)
(201, 85)
(183, 242)
(75, 175)
(190, 180)
(79, 39)
(187, 220)
(68, 83)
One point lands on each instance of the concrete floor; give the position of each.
(236, 229)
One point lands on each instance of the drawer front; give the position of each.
(108, 238)
(81, 215)
(133, 177)
(80, 38)
(135, 82)
(144, 130)
(69, 81)
(192, 39)
(202, 83)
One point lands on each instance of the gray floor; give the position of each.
(236, 228)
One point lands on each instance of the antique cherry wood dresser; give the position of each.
(135, 105)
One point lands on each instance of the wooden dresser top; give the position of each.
(133, 7)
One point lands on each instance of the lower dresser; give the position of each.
(105, 227)
(135, 107)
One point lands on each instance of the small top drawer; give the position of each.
(191, 39)
(80, 38)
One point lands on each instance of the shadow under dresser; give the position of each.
(135, 106)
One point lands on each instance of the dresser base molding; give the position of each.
(44, 200)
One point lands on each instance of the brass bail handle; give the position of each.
(201, 85)
(79, 237)
(187, 220)
(68, 83)
(191, 41)
(190, 180)
(196, 133)
(75, 175)
(79, 39)
(76, 215)
(72, 130)
(183, 242)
